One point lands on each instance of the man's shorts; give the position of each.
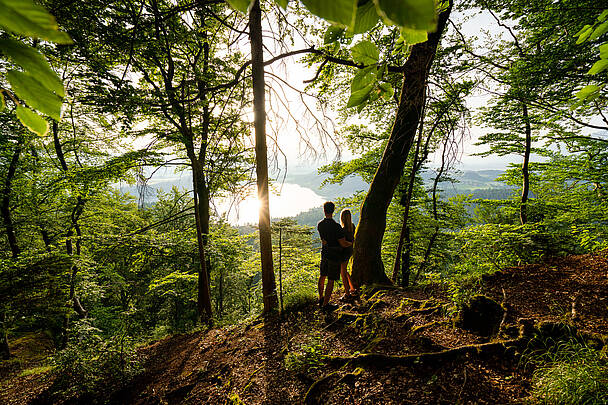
(330, 269)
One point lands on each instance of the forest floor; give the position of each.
(389, 346)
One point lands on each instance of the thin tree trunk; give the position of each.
(405, 203)
(259, 110)
(6, 200)
(523, 213)
(205, 195)
(367, 261)
(74, 227)
(406, 257)
(5, 352)
(433, 237)
(69, 244)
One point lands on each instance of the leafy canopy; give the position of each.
(36, 84)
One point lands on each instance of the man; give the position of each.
(333, 240)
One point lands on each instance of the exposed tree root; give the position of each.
(545, 329)
(312, 393)
(403, 316)
(558, 330)
(249, 380)
(379, 359)
(418, 329)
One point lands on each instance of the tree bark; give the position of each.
(261, 157)
(6, 200)
(201, 211)
(523, 209)
(367, 261)
(5, 352)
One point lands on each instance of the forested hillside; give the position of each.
(464, 286)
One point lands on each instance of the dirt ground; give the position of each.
(315, 357)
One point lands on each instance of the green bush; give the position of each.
(305, 357)
(89, 361)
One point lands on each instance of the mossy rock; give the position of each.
(482, 316)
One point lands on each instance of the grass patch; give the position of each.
(569, 372)
(35, 371)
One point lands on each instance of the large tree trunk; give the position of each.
(202, 196)
(367, 261)
(201, 214)
(523, 213)
(261, 158)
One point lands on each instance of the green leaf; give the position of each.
(2, 103)
(360, 96)
(373, 96)
(584, 34)
(23, 17)
(387, 90)
(35, 94)
(415, 14)
(333, 33)
(363, 79)
(599, 31)
(587, 91)
(598, 67)
(604, 51)
(603, 16)
(240, 5)
(365, 52)
(585, 28)
(34, 63)
(366, 18)
(282, 3)
(32, 121)
(338, 11)
(412, 37)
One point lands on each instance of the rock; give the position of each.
(482, 315)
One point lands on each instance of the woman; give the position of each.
(349, 235)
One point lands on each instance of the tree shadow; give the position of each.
(273, 352)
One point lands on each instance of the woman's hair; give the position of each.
(347, 221)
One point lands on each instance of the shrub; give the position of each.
(89, 362)
(306, 356)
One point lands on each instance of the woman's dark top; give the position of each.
(347, 252)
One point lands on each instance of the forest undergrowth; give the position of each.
(390, 345)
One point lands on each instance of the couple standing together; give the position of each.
(336, 251)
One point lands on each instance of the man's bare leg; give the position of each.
(328, 290)
(321, 285)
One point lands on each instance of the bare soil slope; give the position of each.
(391, 346)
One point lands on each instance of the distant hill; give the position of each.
(478, 183)
(313, 181)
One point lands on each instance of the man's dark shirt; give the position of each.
(330, 231)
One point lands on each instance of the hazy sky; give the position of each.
(286, 108)
(289, 138)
